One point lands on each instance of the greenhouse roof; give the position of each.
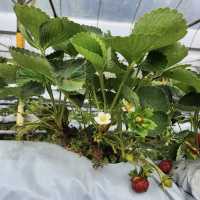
(120, 10)
(117, 16)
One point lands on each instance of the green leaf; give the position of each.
(8, 72)
(92, 47)
(131, 96)
(27, 90)
(155, 61)
(185, 76)
(157, 29)
(31, 18)
(174, 53)
(10, 92)
(32, 61)
(162, 121)
(190, 101)
(73, 29)
(160, 59)
(2, 83)
(3, 60)
(72, 78)
(92, 29)
(161, 27)
(154, 97)
(31, 89)
(58, 30)
(67, 47)
(56, 59)
(25, 75)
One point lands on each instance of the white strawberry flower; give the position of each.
(127, 107)
(103, 118)
(109, 75)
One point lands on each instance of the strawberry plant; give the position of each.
(122, 92)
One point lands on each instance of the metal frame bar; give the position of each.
(135, 14)
(99, 12)
(194, 36)
(179, 3)
(194, 23)
(7, 32)
(53, 8)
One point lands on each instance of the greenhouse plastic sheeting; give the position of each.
(120, 10)
(41, 171)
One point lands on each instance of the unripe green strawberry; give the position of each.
(167, 181)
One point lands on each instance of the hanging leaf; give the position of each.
(31, 89)
(92, 47)
(92, 29)
(154, 97)
(31, 18)
(8, 72)
(32, 61)
(155, 61)
(3, 60)
(71, 28)
(185, 76)
(190, 101)
(131, 96)
(160, 59)
(27, 90)
(58, 30)
(25, 75)
(2, 83)
(161, 27)
(10, 92)
(157, 29)
(174, 53)
(162, 121)
(72, 78)
(56, 59)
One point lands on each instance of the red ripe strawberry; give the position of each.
(198, 139)
(139, 184)
(165, 166)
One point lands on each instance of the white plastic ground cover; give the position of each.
(42, 171)
(187, 175)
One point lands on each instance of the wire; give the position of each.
(3, 45)
(53, 8)
(99, 12)
(194, 36)
(28, 2)
(135, 14)
(194, 23)
(2, 32)
(179, 3)
(60, 7)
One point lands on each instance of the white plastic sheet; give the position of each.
(41, 171)
(187, 176)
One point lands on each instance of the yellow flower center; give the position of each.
(103, 118)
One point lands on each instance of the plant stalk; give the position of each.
(101, 80)
(20, 43)
(20, 112)
(196, 126)
(120, 87)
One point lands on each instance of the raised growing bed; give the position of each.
(135, 90)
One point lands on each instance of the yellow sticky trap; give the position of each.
(20, 42)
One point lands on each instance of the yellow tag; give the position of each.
(20, 42)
